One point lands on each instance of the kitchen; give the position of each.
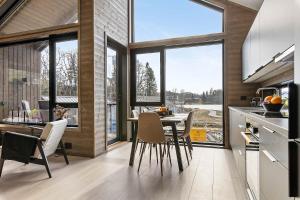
(264, 137)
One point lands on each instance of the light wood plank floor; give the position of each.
(211, 175)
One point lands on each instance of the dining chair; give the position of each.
(184, 135)
(151, 132)
(31, 149)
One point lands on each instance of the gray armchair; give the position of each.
(32, 149)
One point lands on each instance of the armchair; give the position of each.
(32, 149)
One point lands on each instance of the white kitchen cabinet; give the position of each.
(271, 33)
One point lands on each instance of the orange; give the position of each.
(276, 100)
(268, 99)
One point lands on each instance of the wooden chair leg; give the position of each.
(161, 160)
(61, 144)
(150, 153)
(156, 154)
(44, 159)
(1, 166)
(142, 154)
(187, 157)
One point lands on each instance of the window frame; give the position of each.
(133, 55)
(200, 2)
(52, 39)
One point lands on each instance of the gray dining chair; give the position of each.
(151, 132)
(184, 135)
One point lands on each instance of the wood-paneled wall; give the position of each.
(19, 77)
(111, 17)
(238, 21)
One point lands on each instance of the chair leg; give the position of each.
(142, 154)
(187, 157)
(169, 155)
(156, 154)
(44, 158)
(1, 165)
(141, 148)
(61, 144)
(161, 160)
(190, 146)
(150, 153)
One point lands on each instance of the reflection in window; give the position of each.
(163, 19)
(111, 95)
(148, 77)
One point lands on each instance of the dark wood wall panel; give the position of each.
(18, 63)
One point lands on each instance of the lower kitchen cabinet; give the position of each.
(237, 124)
(273, 177)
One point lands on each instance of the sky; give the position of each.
(193, 69)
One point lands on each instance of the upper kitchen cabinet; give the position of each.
(271, 33)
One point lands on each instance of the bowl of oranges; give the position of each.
(273, 103)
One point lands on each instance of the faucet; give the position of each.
(268, 88)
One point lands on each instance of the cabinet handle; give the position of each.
(269, 130)
(271, 158)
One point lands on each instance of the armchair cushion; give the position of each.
(18, 147)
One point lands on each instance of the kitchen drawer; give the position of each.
(273, 178)
(274, 143)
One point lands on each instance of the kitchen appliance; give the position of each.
(251, 137)
(294, 142)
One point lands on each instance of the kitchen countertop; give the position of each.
(280, 125)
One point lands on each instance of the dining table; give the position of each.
(170, 121)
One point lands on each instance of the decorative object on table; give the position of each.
(273, 103)
(31, 149)
(60, 112)
(163, 111)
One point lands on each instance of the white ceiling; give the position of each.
(253, 4)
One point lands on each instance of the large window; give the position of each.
(36, 76)
(194, 80)
(163, 19)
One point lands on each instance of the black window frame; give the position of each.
(133, 97)
(52, 40)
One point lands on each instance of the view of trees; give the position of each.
(145, 80)
(66, 72)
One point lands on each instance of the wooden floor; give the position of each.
(211, 175)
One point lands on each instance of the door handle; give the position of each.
(269, 130)
(271, 158)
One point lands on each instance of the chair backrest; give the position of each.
(26, 107)
(150, 128)
(52, 135)
(134, 113)
(189, 123)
